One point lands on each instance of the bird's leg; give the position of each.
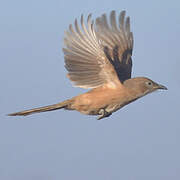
(103, 113)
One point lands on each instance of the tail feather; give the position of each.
(53, 107)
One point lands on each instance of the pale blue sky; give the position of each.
(139, 142)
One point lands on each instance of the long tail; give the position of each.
(64, 104)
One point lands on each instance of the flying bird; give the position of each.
(98, 57)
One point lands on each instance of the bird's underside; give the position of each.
(98, 56)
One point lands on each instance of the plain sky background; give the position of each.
(139, 142)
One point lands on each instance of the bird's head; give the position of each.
(142, 86)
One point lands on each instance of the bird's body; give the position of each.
(99, 98)
(99, 57)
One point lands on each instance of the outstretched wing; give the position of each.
(117, 40)
(96, 56)
(85, 60)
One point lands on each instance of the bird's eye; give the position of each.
(149, 83)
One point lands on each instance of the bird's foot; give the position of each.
(103, 113)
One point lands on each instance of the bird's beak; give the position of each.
(159, 86)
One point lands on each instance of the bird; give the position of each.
(97, 55)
